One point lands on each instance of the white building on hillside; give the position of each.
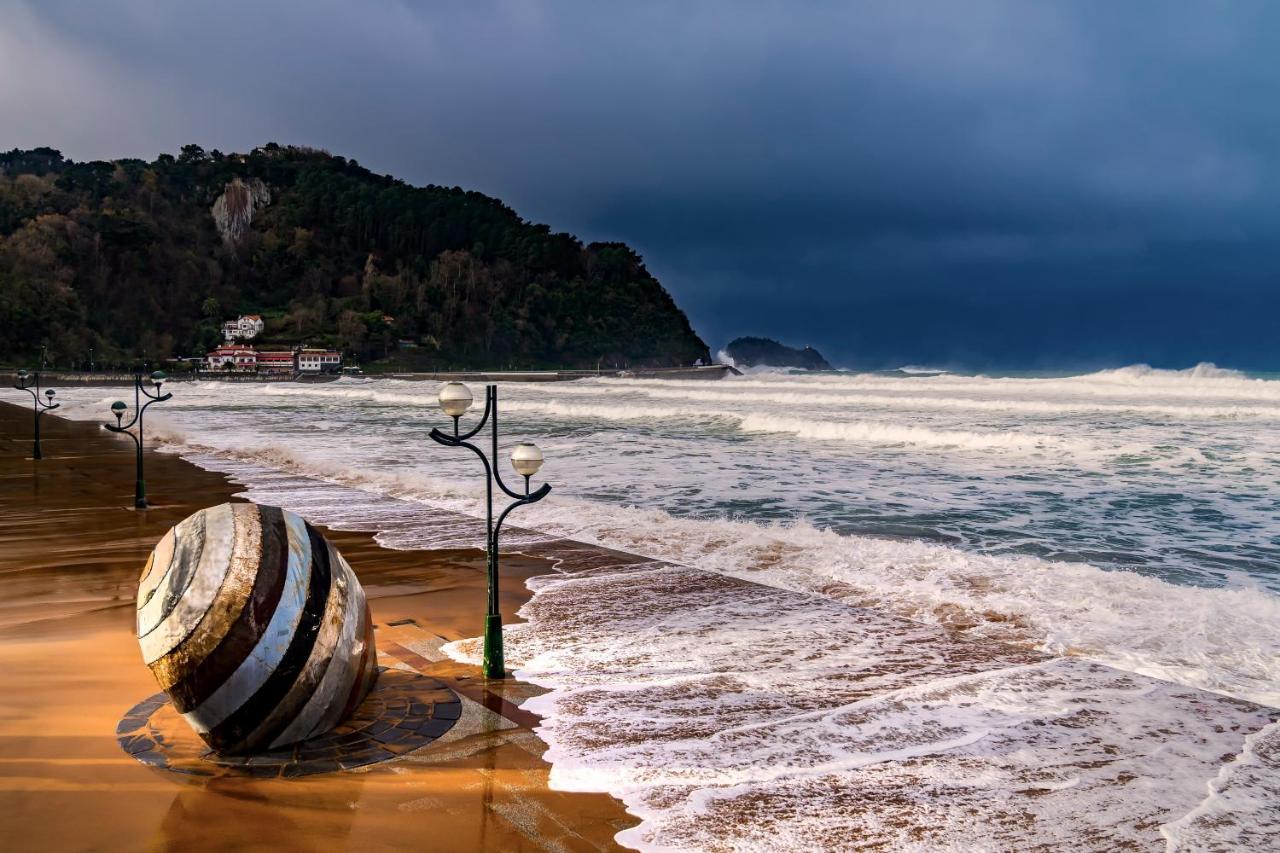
(242, 328)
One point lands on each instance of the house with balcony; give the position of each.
(243, 328)
(277, 362)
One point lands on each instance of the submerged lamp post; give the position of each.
(25, 383)
(118, 408)
(526, 458)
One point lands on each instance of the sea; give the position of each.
(795, 528)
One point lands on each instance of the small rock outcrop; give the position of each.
(233, 210)
(754, 352)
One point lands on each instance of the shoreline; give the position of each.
(724, 711)
(125, 379)
(71, 548)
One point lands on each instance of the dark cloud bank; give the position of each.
(988, 184)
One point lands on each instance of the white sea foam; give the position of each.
(889, 433)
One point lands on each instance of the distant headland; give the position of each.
(114, 262)
(754, 352)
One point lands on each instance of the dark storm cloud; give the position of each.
(988, 182)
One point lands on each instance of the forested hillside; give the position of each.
(145, 259)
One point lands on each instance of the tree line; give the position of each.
(124, 258)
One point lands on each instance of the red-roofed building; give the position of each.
(242, 359)
(277, 362)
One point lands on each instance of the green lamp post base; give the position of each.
(494, 664)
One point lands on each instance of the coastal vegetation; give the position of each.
(753, 352)
(132, 259)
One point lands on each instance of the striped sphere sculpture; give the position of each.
(255, 627)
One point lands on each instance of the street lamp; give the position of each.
(25, 383)
(526, 458)
(118, 408)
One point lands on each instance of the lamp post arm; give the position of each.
(157, 397)
(471, 433)
(497, 472)
(25, 383)
(152, 400)
(533, 498)
(449, 441)
(123, 427)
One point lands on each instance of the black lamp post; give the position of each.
(25, 383)
(118, 409)
(455, 399)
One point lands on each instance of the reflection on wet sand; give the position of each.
(249, 819)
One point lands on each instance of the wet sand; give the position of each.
(71, 548)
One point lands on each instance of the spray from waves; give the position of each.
(897, 434)
(1223, 640)
(1145, 373)
(857, 398)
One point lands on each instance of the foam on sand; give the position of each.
(734, 716)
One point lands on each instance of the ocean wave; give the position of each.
(900, 434)
(778, 395)
(715, 726)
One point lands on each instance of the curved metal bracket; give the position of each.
(155, 398)
(449, 441)
(484, 419)
(124, 429)
(533, 498)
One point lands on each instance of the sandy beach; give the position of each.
(71, 548)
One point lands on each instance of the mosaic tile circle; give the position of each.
(404, 712)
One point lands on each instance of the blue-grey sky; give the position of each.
(987, 183)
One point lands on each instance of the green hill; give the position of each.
(136, 259)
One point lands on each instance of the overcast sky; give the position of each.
(987, 183)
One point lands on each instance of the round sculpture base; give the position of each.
(404, 711)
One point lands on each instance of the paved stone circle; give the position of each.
(404, 712)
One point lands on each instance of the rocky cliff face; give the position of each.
(233, 211)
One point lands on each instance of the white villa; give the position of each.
(242, 328)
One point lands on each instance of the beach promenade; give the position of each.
(71, 550)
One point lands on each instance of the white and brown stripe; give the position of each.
(255, 626)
